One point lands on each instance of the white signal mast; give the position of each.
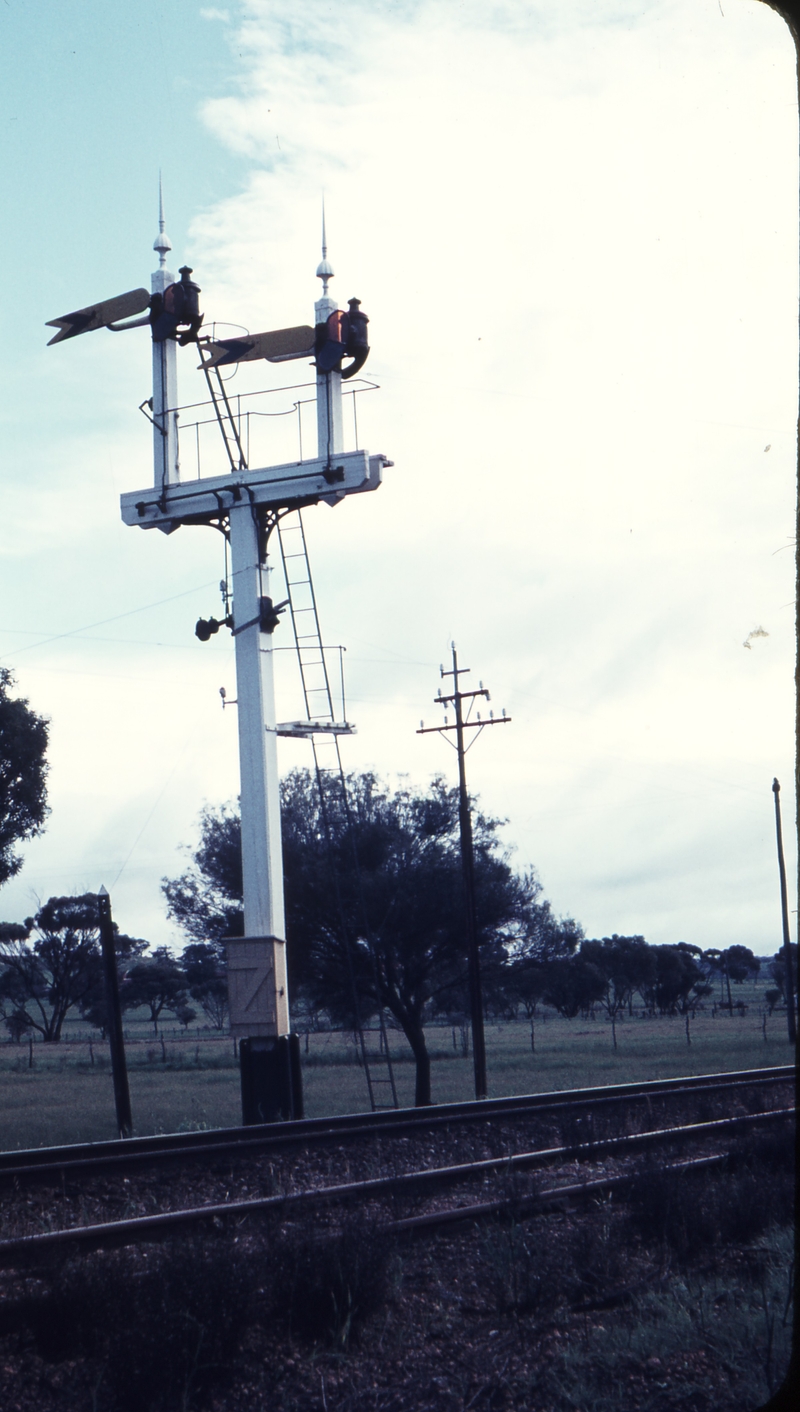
(165, 370)
(246, 503)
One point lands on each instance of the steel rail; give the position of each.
(27, 1164)
(554, 1198)
(137, 1228)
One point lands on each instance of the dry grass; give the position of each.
(192, 1081)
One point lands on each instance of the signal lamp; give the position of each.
(205, 627)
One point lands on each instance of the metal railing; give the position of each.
(266, 436)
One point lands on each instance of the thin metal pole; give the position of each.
(787, 942)
(468, 866)
(122, 1098)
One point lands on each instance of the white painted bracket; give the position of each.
(198, 502)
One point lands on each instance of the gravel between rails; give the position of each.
(90, 1199)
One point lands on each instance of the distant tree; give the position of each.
(772, 996)
(185, 1014)
(777, 969)
(93, 1006)
(157, 982)
(731, 963)
(23, 774)
(573, 985)
(529, 975)
(739, 964)
(678, 982)
(204, 969)
(18, 1025)
(625, 965)
(713, 963)
(529, 987)
(42, 978)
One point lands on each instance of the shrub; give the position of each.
(160, 1326)
(689, 1212)
(535, 1266)
(324, 1284)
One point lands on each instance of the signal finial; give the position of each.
(324, 268)
(162, 242)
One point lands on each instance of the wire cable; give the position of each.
(129, 613)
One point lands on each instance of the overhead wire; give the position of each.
(101, 622)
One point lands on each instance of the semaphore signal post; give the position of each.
(246, 503)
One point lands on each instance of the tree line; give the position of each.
(374, 919)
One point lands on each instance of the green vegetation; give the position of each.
(184, 1081)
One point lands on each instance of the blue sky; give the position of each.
(574, 228)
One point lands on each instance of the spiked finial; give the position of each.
(162, 242)
(324, 268)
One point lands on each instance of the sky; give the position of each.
(573, 227)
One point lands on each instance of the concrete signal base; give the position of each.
(272, 1084)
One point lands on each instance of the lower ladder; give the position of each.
(324, 731)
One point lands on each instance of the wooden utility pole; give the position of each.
(462, 723)
(119, 1070)
(787, 942)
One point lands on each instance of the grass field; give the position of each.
(192, 1081)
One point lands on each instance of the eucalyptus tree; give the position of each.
(48, 964)
(23, 774)
(374, 905)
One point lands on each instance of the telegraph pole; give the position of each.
(116, 1039)
(461, 724)
(787, 940)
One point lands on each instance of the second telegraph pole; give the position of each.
(463, 722)
(787, 940)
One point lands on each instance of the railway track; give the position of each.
(55, 1164)
(561, 1162)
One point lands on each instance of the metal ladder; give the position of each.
(231, 438)
(331, 779)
